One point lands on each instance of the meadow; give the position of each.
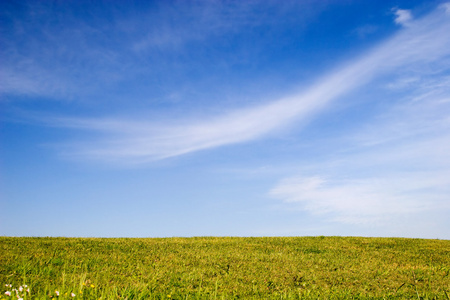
(224, 268)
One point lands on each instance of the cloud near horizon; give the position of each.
(378, 196)
(424, 42)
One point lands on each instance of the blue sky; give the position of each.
(233, 118)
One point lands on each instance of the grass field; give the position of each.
(225, 268)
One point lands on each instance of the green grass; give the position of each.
(226, 268)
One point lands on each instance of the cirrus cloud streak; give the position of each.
(423, 43)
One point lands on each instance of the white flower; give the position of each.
(57, 293)
(8, 293)
(20, 288)
(19, 298)
(72, 294)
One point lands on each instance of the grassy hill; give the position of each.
(225, 268)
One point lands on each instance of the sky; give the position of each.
(225, 118)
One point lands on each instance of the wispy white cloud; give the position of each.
(403, 17)
(377, 200)
(424, 43)
(375, 186)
